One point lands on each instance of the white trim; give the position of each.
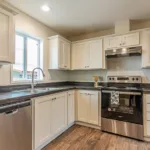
(58, 36)
(87, 125)
(110, 35)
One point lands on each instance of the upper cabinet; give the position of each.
(122, 41)
(80, 55)
(59, 53)
(88, 55)
(145, 42)
(7, 37)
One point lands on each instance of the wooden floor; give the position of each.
(84, 138)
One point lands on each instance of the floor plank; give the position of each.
(84, 138)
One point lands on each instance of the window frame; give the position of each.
(25, 80)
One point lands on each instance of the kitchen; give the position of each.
(65, 86)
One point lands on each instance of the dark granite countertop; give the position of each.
(25, 94)
(16, 93)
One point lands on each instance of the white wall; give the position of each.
(27, 24)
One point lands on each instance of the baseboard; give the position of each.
(147, 139)
(54, 137)
(88, 125)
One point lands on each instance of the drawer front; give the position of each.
(148, 107)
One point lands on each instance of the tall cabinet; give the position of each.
(145, 42)
(7, 37)
(59, 53)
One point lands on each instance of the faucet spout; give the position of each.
(32, 84)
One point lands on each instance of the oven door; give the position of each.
(129, 108)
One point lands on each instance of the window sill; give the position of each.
(26, 81)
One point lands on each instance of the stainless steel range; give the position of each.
(122, 107)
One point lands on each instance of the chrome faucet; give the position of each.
(32, 85)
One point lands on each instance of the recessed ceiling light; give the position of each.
(45, 8)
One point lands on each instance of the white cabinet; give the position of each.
(59, 113)
(146, 114)
(59, 53)
(122, 41)
(80, 55)
(132, 39)
(145, 42)
(97, 56)
(93, 111)
(83, 106)
(112, 42)
(88, 55)
(42, 121)
(71, 107)
(7, 37)
(87, 107)
(50, 117)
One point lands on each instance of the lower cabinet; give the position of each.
(146, 114)
(87, 107)
(53, 114)
(71, 107)
(50, 117)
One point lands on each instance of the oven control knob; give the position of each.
(137, 79)
(133, 79)
(109, 78)
(112, 78)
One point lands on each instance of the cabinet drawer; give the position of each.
(148, 128)
(148, 107)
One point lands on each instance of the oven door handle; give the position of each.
(120, 92)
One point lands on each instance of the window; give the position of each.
(27, 57)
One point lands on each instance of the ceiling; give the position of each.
(75, 17)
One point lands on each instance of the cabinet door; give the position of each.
(96, 55)
(71, 107)
(59, 113)
(112, 42)
(80, 55)
(146, 114)
(61, 54)
(7, 36)
(83, 106)
(145, 42)
(67, 55)
(130, 39)
(42, 121)
(93, 111)
(64, 54)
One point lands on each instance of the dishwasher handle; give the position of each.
(12, 112)
(12, 108)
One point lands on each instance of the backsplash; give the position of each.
(130, 66)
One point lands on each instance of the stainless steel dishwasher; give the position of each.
(16, 126)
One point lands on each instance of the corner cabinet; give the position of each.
(88, 55)
(7, 37)
(59, 53)
(88, 106)
(145, 42)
